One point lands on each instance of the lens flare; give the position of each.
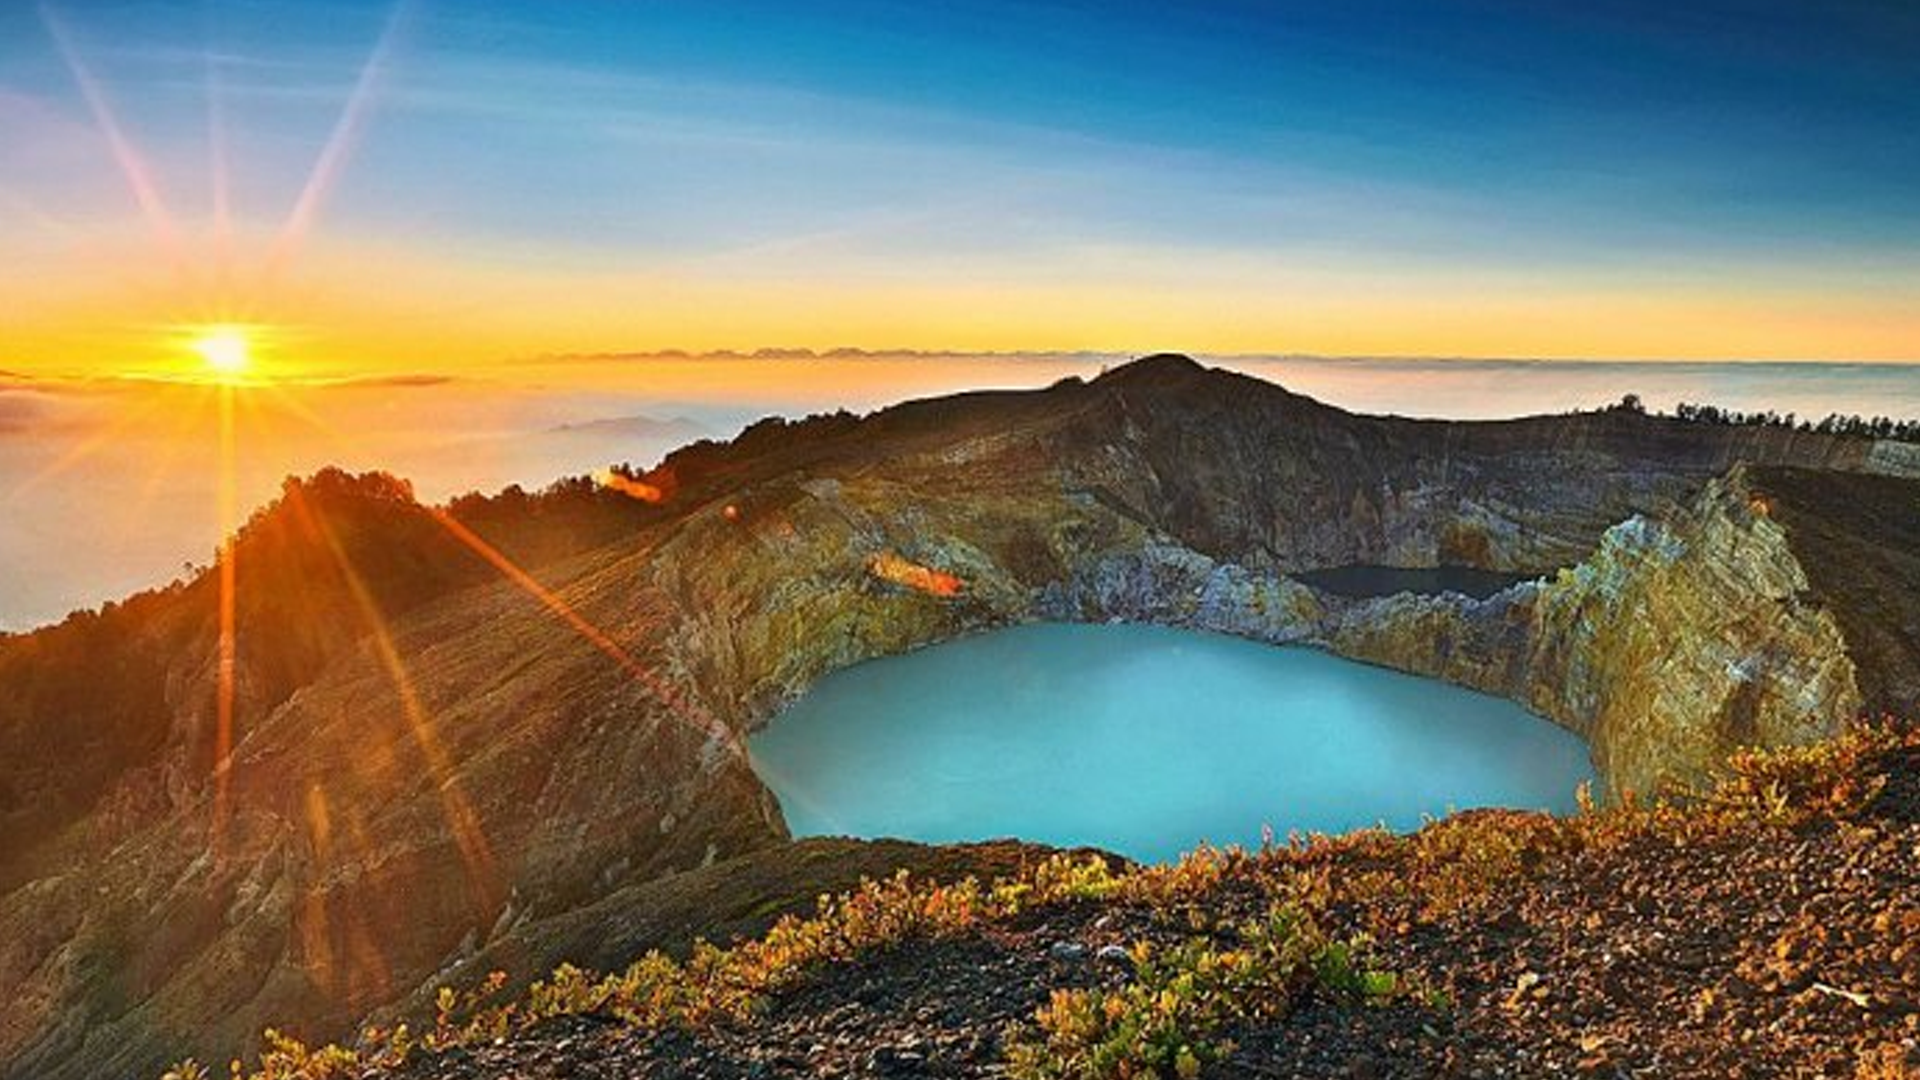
(628, 486)
(892, 566)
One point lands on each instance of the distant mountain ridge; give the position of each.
(433, 764)
(640, 426)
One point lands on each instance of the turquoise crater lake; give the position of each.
(1145, 741)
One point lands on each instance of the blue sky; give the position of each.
(1732, 153)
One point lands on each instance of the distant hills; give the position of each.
(644, 430)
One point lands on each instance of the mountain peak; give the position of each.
(1157, 366)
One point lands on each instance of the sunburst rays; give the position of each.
(333, 827)
(133, 165)
(332, 161)
(228, 654)
(219, 175)
(107, 434)
(677, 704)
(217, 293)
(224, 349)
(687, 711)
(464, 823)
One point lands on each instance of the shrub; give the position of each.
(1173, 1016)
(1056, 879)
(1787, 784)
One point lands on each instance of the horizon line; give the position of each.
(857, 352)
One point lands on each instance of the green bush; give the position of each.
(1174, 1015)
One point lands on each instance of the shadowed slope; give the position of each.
(1860, 536)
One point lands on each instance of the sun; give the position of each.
(225, 350)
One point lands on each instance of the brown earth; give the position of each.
(430, 763)
(1757, 951)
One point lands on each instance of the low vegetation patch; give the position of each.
(1175, 1013)
(1201, 977)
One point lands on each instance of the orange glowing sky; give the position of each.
(430, 311)
(387, 187)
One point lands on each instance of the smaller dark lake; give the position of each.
(1362, 582)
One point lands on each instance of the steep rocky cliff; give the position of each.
(458, 771)
(1680, 639)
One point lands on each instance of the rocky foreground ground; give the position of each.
(1770, 930)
